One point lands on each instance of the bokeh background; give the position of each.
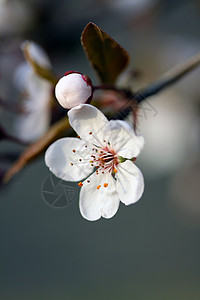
(150, 250)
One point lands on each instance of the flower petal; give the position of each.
(88, 122)
(37, 54)
(31, 126)
(130, 182)
(34, 121)
(66, 164)
(123, 139)
(22, 76)
(103, 202)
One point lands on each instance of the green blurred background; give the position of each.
(150, 250)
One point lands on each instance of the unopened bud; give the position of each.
(73, 89)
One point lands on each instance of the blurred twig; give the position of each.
(166, 80)
(169, 78)
(57, 130)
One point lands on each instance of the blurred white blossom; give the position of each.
(35, 92)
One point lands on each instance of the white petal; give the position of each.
(36, 93)
(88, 122)
(21, 76)
(37, 54)
(39, 91)
(95, 203)
(60, 155)
(123, 139)
(130, 182)
(31, 126)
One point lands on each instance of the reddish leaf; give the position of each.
(106, 55)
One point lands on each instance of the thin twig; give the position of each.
(162, 83)
(57, 130)
(111, 87)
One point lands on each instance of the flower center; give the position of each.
(103, 158)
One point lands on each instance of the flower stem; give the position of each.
(112, 87)
(57, 130)
(169, 78)
(163, 82)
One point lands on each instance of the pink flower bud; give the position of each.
(73, 89)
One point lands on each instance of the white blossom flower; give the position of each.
(73, 89)
(106, 152)
(36, 93)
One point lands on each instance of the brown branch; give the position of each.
(166, 80)
(169, 78)
(35, 149)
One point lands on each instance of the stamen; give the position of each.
(107, 154)
(102, 158)
(98, 141)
